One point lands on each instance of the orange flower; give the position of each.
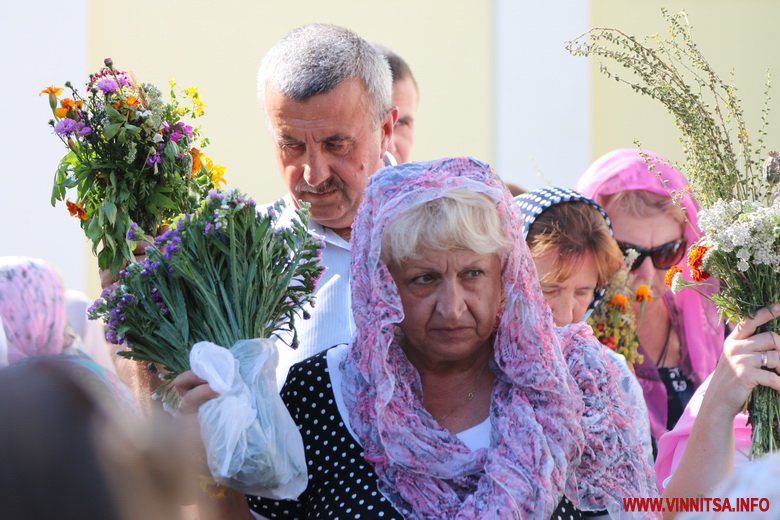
(619, 302)
(195, 153)
(60, 112)
(68, 103)
(76, 210)
(698, 275)
(131, 101)
(670, 275)
(696, 256)
(643, 294)
(55, 91)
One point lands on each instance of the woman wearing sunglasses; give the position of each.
(680, 336)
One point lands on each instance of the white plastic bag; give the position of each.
(252, 443)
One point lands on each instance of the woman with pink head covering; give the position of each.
(32, 307)
(33, 320)
(457, 396)
(681, 336)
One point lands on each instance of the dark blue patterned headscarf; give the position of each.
(534, 203)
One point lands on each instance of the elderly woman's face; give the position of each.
(451, 301)
(662, 228)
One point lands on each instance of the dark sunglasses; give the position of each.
(663, 256)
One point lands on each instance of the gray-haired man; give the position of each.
(327, 99)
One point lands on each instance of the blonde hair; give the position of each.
(573, 230)
(460, 219)
(641, 203)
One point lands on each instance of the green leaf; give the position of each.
(111, 130)
(160, 200)
(94, 232)
(109, 209)
(113, 115)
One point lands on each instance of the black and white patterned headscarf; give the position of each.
(536, 202)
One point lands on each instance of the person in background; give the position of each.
(570, 240)
(69, 453)
(681, 336)
(406, 97)
(327, 99)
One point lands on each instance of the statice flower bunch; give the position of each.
(225, 273)
(133, 163)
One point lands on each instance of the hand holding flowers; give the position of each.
(736, 262)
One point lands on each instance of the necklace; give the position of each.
(467, 399)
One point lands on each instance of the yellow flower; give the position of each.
(191, 92)
(172, 82)
(182, 111)
(217, 175)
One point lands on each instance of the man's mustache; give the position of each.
(330, 184)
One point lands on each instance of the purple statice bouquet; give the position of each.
(223, 274)
(132, 160)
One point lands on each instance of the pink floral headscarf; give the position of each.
(628, 169)
(538, 450)
(32, 307)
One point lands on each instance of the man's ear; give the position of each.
(388, 124)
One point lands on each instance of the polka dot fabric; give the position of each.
(341, 483)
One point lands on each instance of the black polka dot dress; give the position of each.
(341, 483)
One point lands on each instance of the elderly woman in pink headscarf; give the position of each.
(680, 336)
(33, 321)
(457, 397)
(32, 308)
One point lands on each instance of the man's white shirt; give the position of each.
(331, 320)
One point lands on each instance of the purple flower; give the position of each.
(154, 159)
(65, 127)
(131, 231)
(215, 195)
(85, 130)
(108, 62)
(175, 136)
(107, 85)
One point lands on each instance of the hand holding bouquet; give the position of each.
(226, 276)
(736, 183)
(133, 161)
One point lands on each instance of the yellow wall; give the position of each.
(742, 36)
(217, 46)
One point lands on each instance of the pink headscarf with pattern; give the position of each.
(32, 307)
(539, 450)
(628, 169)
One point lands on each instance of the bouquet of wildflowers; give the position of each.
(733, 179)
(134, 163)
(209, 296)
(613, 321)
(222, 274)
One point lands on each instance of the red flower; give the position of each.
(76, 210)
